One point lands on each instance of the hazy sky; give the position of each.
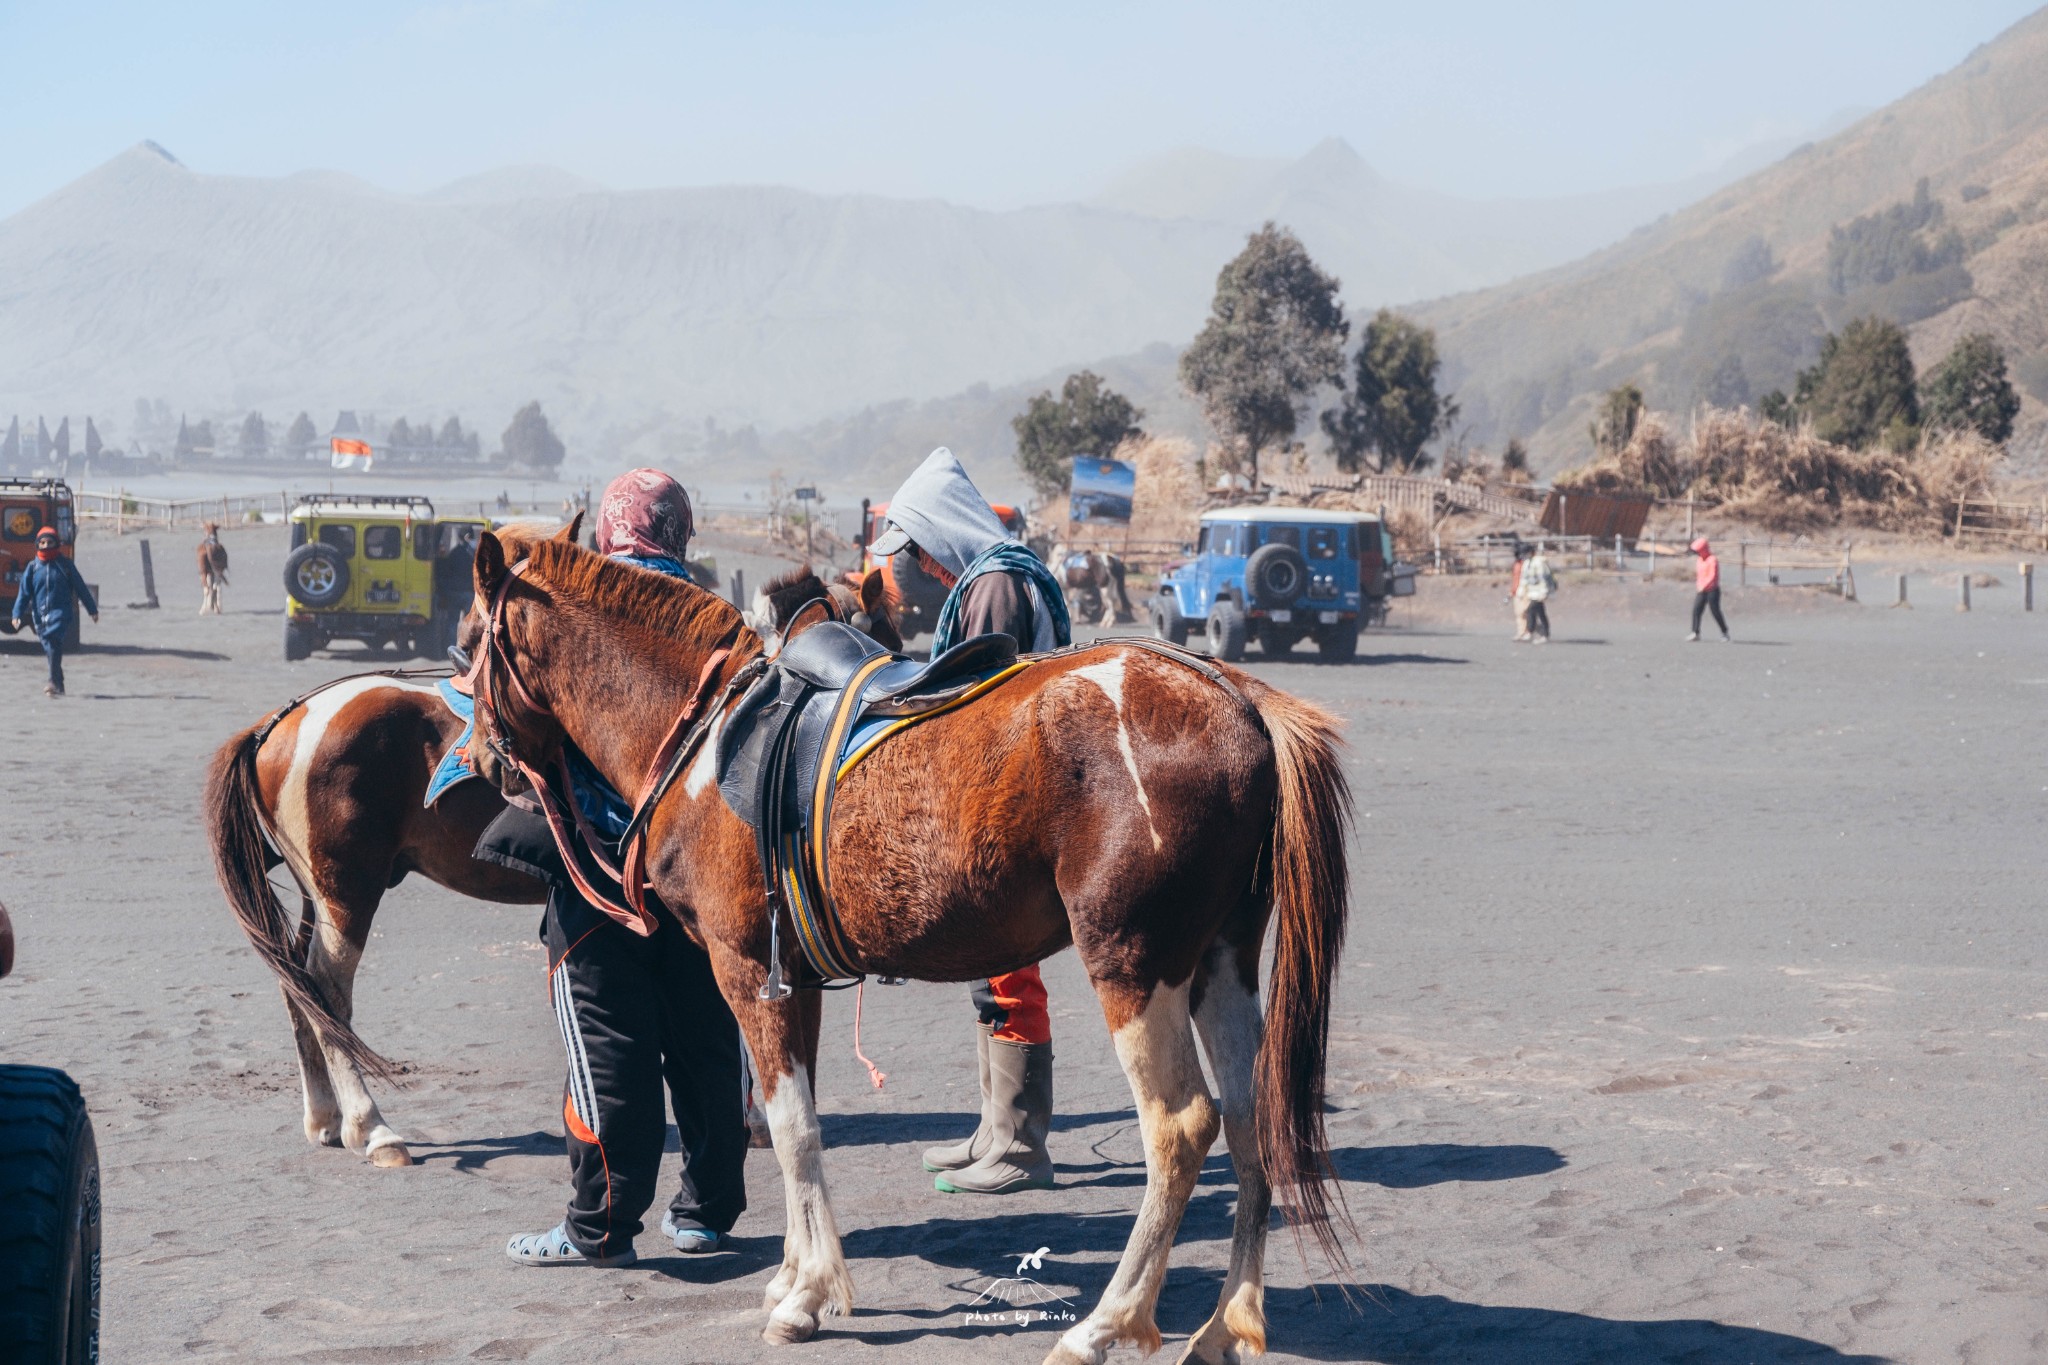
(983, 104)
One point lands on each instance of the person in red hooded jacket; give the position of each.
(1707, 589)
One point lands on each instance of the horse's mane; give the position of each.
(793, 589)
(673, 608)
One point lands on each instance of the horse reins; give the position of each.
(691, 724)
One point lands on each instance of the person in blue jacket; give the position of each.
(51, 590)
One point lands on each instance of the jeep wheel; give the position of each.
(1167, 622)
(1338, 643)
(49, 1219)
(1276, 576)
(298, 642)
(316, 575)
(1226, 631)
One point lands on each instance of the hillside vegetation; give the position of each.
(1932, 213)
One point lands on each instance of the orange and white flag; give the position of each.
(347, 453)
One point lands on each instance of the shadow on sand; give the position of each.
(1414, 1165)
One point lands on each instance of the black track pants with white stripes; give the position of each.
(635, 1012)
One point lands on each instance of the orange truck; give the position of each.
(917, 594)
(26, 505)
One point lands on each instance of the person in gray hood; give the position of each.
(995, 587)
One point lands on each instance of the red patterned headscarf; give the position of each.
(646, 514)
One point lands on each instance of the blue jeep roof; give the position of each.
(1312, 516)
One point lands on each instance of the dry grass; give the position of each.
(1167, 502)
(1788, 479)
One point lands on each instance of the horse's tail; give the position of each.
(234, 823)
(1311, 897)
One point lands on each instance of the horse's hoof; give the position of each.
(1063, 1354)
(391, 1154)
(324, 1137)
(789, 1330)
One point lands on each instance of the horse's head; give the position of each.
(509, 719)
(799, 599)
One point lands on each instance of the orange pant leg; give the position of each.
(1021, 997)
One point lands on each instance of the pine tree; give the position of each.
(255, 438)
(1969, 390)
(530, 441)
(93, 444)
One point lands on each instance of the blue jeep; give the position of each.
(1279, 575)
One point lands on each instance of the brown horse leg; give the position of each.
(331, 959)
(783, 1036)
(322, 1113)
(1178, 1119)
(1231, 1027)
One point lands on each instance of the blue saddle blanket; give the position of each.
(453, 767)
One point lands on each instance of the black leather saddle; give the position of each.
(778, 755)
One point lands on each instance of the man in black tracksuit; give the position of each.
(633, 1011)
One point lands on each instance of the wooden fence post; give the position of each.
(1742, 563)
(1963, 591)
(2027, 586)
(148, 576)
(1902, 602)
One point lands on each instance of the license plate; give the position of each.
(1280, 616)
(1328, 618)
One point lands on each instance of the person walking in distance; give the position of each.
(1707, 589)
(1517, 598)
(995, 587)
(1537, 584)
(51, 590)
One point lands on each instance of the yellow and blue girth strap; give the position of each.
(805, 867)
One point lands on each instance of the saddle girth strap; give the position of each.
(811, 907)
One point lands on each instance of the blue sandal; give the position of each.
(553, 1247)
(691, 1241)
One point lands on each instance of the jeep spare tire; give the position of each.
(316, 575)
(49, 1220)
(1276, 576)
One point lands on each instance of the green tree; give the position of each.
(1275, 334)
(1087, 418)
(1970, 390)
(1514, 461)
(299, 440)
(400, 436)
(1393, 409)
(530, 441)
(451, 437)
(1620, 410)
(1862, 387)
(255, 442)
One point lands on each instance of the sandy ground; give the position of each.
(1693, 1011)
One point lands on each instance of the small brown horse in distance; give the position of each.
(1108, 798)
(338, 785)
(213, 569)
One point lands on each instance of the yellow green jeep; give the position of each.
(381, 569)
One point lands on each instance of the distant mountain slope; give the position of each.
(1674, 301)
(633, 312)
(145, 278)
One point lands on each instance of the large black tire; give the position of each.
(316, 575)
(298, 642)
(1275, 576)
(1338, 642)
(1167, 622)
(49, 1220)
(1226, 631)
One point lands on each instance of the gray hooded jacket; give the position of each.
(939, 507)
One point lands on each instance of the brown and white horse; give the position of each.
(1154, 818)
(213, 569)
(333, 787)
(1094, 580)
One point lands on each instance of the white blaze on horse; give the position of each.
(1151, 810)
(332, 787)
(213, 569)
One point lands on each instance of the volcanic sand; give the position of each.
(1692, 1010)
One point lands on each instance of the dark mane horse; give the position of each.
(1152, 811)
(332, 787)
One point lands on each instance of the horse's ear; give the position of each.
(873, 591)
(567, 535)
(490, 565)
